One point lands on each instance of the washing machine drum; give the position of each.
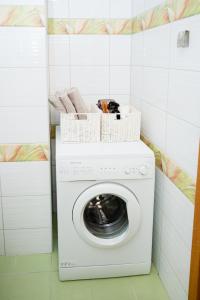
(106, 215)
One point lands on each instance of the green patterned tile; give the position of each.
(32, 286)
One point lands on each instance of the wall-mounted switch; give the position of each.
(183, 39)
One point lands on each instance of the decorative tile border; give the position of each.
(167, 12)
(25, 152)
(22, 15)
(89, 26)
(180, 178)
(34, 16)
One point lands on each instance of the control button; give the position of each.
(143, 170)
(127, 171)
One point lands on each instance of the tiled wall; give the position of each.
(98, 64)
(25, 200)
(165, 87)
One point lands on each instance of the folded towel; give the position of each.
(78, 102)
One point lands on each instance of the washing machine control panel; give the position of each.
(100, 169)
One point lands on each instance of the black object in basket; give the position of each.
(109, 106)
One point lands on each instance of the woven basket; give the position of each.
(125, 129)
(80, 128)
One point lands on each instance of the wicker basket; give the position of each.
(80, 128)
(125, 129)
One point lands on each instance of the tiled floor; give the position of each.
(35, 277)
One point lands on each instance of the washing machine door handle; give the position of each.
(107, 215)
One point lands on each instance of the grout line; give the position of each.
(169, 113)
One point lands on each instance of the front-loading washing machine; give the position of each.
(105, 199)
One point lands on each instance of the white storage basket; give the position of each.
(126, 129)
(83, 130)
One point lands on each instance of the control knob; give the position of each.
(127, 171)
(143, 170)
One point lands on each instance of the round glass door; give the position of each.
(105, 216)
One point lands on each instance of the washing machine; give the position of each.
(105, 199)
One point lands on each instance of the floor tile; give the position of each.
(6, 264)
(70, 290)
(148, 287)
(112, 289)
(32, 286)
(26, 263)
(54, 261)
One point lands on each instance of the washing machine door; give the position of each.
(106, 215)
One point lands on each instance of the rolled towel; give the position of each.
(66, 102)
(57, 104)
(61, 102)
(78, 102)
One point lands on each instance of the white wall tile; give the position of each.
(186, 58)
(120, 50)
(93, 99)
(184, 95)
(2, 243)
(89, 8)
(155, 86)
(157, 46)
(23, 47)
(138, 49)
(154, 124)
(22, 2)
(25, 178)
(89, 50)
(19, 125)
(176, 253)
(182, 144)
(90, 79)
(121, 99)
(120, 8)
(137, 82)
(173, 201)
(137, 7)
(59, 50)
(119, 80)
(23, 87)
(59, 78)
(148, 4)
(58, 8)
(170, 281)
(26, 212)
(28, 241)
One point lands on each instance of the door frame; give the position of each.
(194, 286)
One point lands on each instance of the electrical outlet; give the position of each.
(183, 39)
